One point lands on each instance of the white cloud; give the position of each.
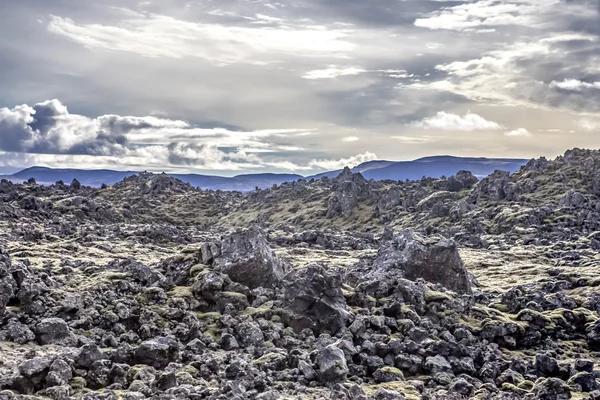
(486, 13)
(49, 132)
(156, 35)
(414, 139)
(350, 139)
(589, 125)
(452, 122)
(574, 85)
(343, 162)
(518, 132)
(333, 72)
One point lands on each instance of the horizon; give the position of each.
(255, 87)
(19, 169)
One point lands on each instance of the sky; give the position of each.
(235, 86)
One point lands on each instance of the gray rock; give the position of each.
(437, 364)
(317, 294)
(433, 259)
(157, 352)
(247, 258)
(348, 188)
(332, 364)
(54, 331)
(60, 373)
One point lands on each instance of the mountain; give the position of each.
(434, 167)
(95, 178)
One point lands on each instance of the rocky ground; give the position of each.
(340, 288)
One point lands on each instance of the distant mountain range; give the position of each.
(379, 170)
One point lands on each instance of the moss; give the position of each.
(472, 323)
(525, 385)
(509, 387)
(393, 371)
(181, 291)
(190, 370)
(235, 295)
(265, 307)
(78, 383)
(408, 390)
(209, 315)
(434, 295)
(113, 275)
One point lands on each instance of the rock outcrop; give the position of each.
(433, 259)
(247, 258)
(317, 294)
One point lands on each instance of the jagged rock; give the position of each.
(157, 352)
(332, 364)
(462, 180)
(88, 354)
(572, 199)
(8, 285)
(317, 294)
(247, 258)
(54, 331)
(495, 187)
(349, 188)
(551, 389)
(433, 259)
(60, 373)
(18, 332)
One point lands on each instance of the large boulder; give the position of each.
(317, 294)
(462, 180)
(247, 258)
(157, 352)
(54, 331)
(332, 364)
(348, 189)
(495, 187)
(434, 259)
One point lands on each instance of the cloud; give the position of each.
(518, 132)
(333, 72)
(452, 122)
(589, 124)
(487, 13)
(49, 133)
(343, 162)
(157, 35)
(574, 85)
(349, 139)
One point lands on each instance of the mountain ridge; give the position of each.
(433, 166)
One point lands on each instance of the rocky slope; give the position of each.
(338, 288)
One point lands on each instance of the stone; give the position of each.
(247, 259)
(332, 364)
(54, 331)
(317, 294)
(157, 352)
(433, 259)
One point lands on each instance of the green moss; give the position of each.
(267, 358)
(393, 371)
(190, 370)
(209, 315)
(525, 385)
(509, 387)
(408, 390)
(78, 383)
(181, 291)
(433, 295)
